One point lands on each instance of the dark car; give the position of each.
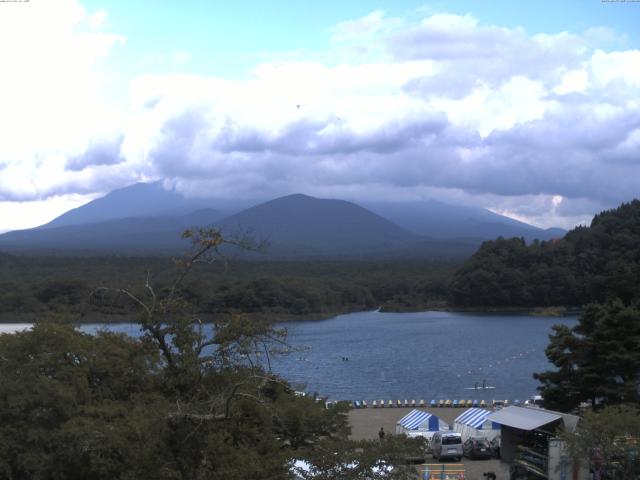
(477, 447)
(495, 447)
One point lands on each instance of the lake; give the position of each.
(430, 355)
(426, 355)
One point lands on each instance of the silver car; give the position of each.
(446, 445)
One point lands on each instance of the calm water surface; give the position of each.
(427, 355)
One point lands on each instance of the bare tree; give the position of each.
(195, 351)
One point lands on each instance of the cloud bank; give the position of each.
(543, 127)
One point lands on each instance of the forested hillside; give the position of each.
(36, 287)
(590, 264)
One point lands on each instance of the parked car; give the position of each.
(476, 447)
(446, 445)
(535, 401)
(495, 446)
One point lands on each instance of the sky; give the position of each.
(530, 108)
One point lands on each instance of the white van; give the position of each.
(535, 401)
(446, 445)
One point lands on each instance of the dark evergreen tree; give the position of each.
(597, 361)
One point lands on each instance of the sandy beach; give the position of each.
(366, 422)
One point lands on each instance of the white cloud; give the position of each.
(518, 100)
(574, 81)
(530, 125)
(445, 24)
(51, 92)
(617, 67)
(97, 20)
(21, 215)
(367, 26)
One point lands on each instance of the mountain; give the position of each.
(428, 218)
(123, 235)
(554, 232)
(147, 218)
(302, 223)
(138, 200)
(300, 226)
(440, 220)
(295, 226)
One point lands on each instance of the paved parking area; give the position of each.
(365, 424)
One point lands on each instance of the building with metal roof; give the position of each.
(524, 418)
(529, 442)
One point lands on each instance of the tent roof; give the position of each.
(524, 418)
(414, 419)
(474, 417)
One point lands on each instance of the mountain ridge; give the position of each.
(145, 217)
(440, 220)
(137, 200)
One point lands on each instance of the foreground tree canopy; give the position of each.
(610, 438)
(174, 404)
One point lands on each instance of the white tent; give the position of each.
(474, 423)
(418, 422)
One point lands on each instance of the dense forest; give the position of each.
(35, 286)
(590, 264)
(176, 403)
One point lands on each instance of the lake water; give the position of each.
(427, 355)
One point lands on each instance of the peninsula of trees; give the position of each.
(590, 264)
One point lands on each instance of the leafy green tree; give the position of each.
(610, 441)
(180, 402)
(67, 399)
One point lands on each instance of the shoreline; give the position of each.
(534, 311)
(558, 312)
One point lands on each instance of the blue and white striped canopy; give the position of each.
(413, 419)
(474, 417)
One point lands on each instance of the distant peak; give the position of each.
(141, 186)
(295, 196)
(308, 198)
